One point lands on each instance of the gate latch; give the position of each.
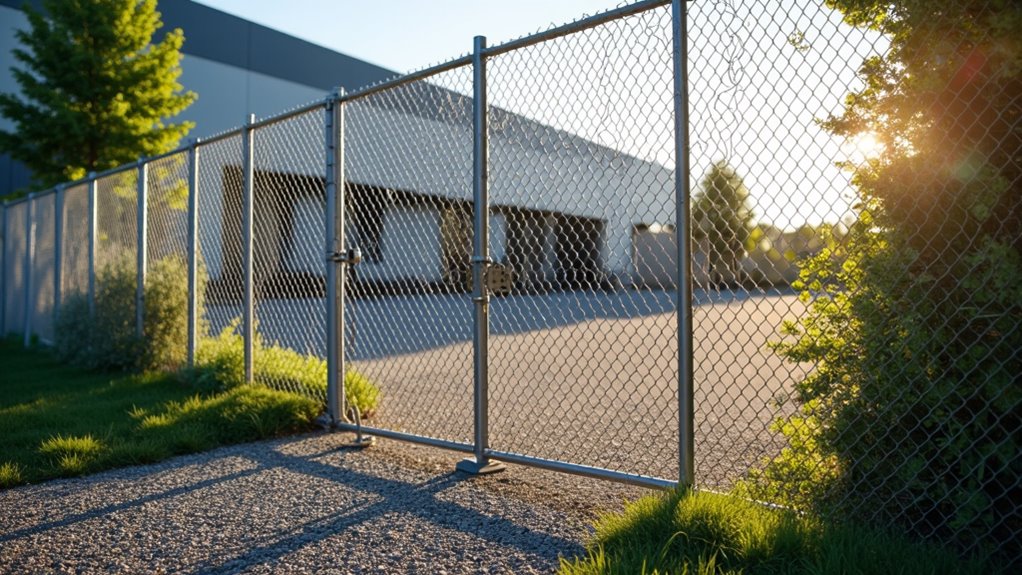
(351, 256)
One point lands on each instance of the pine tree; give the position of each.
(95, 90)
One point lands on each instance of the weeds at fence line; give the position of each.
(219, 366)
(687, 532)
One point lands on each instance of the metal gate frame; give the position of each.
(340, 257)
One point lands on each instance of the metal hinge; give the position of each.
(499, 279)
(350, 256)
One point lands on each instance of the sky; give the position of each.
(762, 73)
(408, 35)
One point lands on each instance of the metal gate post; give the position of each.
(92, 245)
(141, 244)
(193, 249)
(30, 229)
(247, 202)
(480, 464)
(682, 194)
(335, 270)
(58, 249)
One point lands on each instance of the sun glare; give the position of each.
(867, 145)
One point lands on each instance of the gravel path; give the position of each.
(303, 505)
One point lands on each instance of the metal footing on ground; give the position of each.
(473, 466)
(360, 441)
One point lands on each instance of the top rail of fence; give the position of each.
(525, 41)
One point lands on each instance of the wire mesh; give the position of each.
(757, 212)
(117, 228)
(882, 164)
(167, 211)
(219, 226)
(408, 166)
(74, 249)
(855, 259)
(583, 365)
(43, 268)
(15, 284)
(289, 231)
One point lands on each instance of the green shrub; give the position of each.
(220, 365)
(108, 339)
(913, 412)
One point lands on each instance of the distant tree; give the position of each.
(95, 92)
(722, 216)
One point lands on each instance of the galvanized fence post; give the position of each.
(248, 201)
(335, 246)
(143, 208)
(193, 249)
(30, 240)
(92, 245)
(683, 233)
(58, 249)
(480, 263)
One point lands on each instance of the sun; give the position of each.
(867, 145)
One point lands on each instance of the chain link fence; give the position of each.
(851, 229)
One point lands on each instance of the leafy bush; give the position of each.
(913, 414)
(108, 339)
(220, 364)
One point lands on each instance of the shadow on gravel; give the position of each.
(365, 506)
(125, 505)
(396, 497)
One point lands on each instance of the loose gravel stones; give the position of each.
(303, 505)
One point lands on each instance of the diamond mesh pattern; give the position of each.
(899, 225)
(74, 252)
(219, 222)
(117, 222)
(289, 249)
(167, 209)
(748, 100)
(408, 162)
(16, 246)
(43, 266)
(583, 366)
(910, 377)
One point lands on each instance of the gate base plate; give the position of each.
(473, 467)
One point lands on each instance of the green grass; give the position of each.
(700, 533)
(59, 421)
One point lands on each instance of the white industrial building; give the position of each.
(566, 212)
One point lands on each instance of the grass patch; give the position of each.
(220, 365)
(698, 533)
(59, 421)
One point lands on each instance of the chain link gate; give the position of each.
(491, 299)
(494, 243)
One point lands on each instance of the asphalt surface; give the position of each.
(583, 377)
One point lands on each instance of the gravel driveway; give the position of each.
(302, 505)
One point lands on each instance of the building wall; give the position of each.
(237, 68)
